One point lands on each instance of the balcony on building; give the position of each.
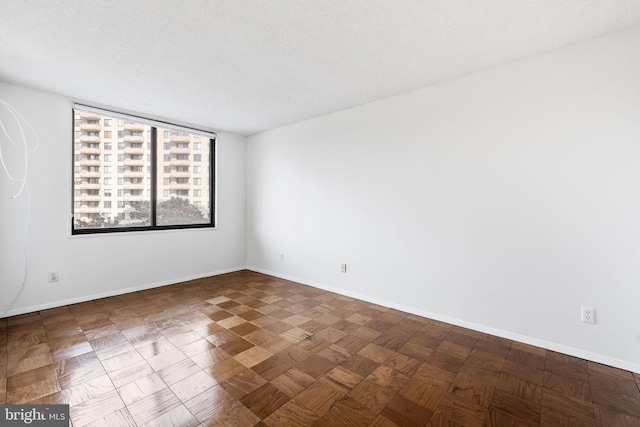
(88, 186)
(180, 138)
(133, 174)
(90, 127)
(133, 138)
(134, 162)
(88, 197)
(89, 162)
(176, 174)
(89, 209)
(180, 150)
(88, 138)
(135, 126)
(134, 197)
(89, 174)
(133, 150)
(129, 186)
(176, 186)
(180, 162)
(89, 116)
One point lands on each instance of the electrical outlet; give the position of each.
(53, 276)
(282, 257)
(343, 268)
(588, 315)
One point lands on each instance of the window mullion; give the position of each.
(154, 175)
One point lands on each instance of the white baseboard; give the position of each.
(85, 298)
(561, 348)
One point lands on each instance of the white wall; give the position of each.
(99, 265)
(501, 201)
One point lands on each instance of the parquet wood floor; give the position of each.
(246, 349)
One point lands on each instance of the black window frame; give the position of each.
(155, 154)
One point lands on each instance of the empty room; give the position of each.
(320, 213)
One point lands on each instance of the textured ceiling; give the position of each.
(247, 66)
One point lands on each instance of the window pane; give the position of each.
(177, 202)
(94, 171)
(114, 190)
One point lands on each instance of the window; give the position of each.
(107, 134)
(151, 194)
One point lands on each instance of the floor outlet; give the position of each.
(588, 315)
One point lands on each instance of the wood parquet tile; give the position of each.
(246, 349)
